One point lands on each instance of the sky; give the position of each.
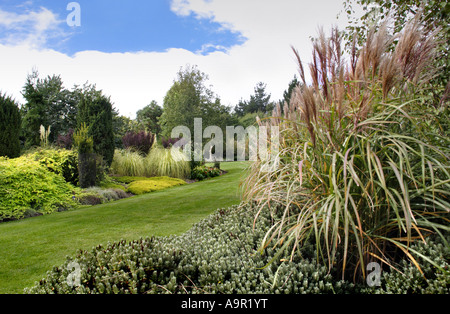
(132, 50)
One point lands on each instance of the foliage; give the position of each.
(218, 255)
(10, 125)
(148, 118)
(44, 135)
(128, 163)
(60, 161)
(153, 184)
(96, 111)
(121, 126)
(48, 103)
(66, 141)
(203, 172)
(82, 141)
(129, 179)
(141, 142)
(167, 162)
(100, 195)
(434, 16)
(26, 184)
(358, 170)
(259, 102)
(433, 278)
(169, 142)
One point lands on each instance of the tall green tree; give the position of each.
(258, 102)
(187, 99)
(96, 111)
(190, 98)
(288, 93)
(10, 125)
(48, 103)
(148, 118)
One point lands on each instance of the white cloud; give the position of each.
(134, 79)
(32, 28)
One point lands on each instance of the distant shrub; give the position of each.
(202, 172)
(65, 141)
(98, 195)
(169, 142)
(27, 184)
(140, 142)
(153, 184)
(112, 185)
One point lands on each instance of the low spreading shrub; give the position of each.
(202, 172)
(98, 195)
(26, 184)
(218, 255)
(129, 179)
(153, 184)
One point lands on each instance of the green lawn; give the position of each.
(30, 247)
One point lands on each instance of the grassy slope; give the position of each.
(30, 247)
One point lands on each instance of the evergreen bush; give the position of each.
(10, 125)
(26, 184)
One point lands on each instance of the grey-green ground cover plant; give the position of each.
(220, 255)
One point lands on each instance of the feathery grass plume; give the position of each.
(128, 162)
(358, 175)
(171, 163)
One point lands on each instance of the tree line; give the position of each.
(62, 112)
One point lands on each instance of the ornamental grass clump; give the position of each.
(361, 170)
(127, 162)
(172, 163)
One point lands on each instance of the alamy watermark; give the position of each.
(241, 144)
(74, 17)
(74, 278)
(374, 277)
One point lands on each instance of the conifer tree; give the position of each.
(10, 124)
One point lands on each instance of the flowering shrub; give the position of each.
(202, 172)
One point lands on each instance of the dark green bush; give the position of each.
(10, 125)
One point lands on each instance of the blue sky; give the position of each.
(133, 49)
(129, 26)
